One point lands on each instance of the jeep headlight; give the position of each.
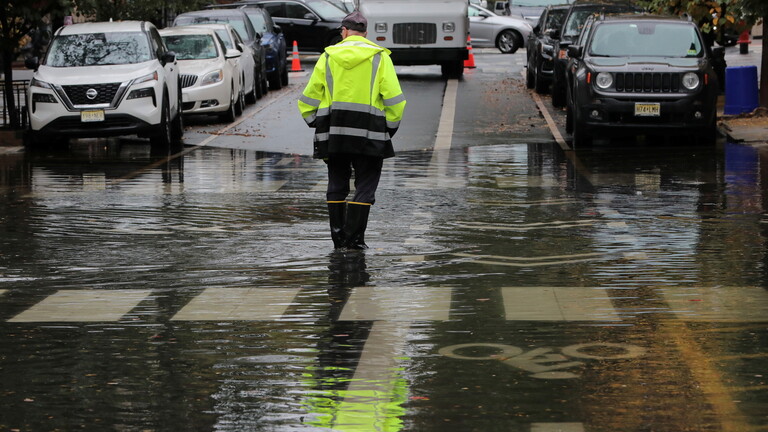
(449, 27)
(213, 77)
(690, 81)
(604, 80)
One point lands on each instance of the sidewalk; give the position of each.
(751, 128)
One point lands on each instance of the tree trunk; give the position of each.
(764, 66)
(10, 101)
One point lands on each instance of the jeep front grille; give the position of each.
(414, 33)
(648, 82)
(105, 93)
(188, 80)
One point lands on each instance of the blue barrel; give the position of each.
(741, 94)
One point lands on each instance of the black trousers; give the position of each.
(367, 174)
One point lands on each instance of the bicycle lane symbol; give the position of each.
(544, 363)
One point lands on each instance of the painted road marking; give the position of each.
(525, 181)
(444, 134)
(83, 306)
(558, 304)
(555, 201)
(238, 304)
(557, 427)
(526, 227)
(397, 304)
(533, 261)
(742, 304)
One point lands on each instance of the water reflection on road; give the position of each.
(508, 287)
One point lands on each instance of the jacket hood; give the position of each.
(353, 50)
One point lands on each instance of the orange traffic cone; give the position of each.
(295, 63)
(470, 61)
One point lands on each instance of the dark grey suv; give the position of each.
(641, 75)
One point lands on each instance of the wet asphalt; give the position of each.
(510, 285)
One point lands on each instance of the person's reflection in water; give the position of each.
(346, 270)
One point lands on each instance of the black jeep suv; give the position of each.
(578, 13)
(631, 74)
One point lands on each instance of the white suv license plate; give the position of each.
(647, 109)
(92, 116)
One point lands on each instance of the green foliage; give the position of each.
(158, 12)
(714, 17)
(19, 17)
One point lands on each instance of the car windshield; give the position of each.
(96, 49)
(224, 35)
(191, 47)
(645, 39)
(234, 21)
(326, 10)
(555, 18)
(258, 21)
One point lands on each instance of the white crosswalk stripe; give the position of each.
(238, 304)
(83, 306)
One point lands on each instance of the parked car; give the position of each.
(313, 24)
(641, 74)
(242, 24)
(540, 48)
(488, 30)
(273, 41)
(106, 79)
(211, 78)
(577, 14)
(232, 40)
(532, 9)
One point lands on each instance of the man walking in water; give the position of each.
(354, 102)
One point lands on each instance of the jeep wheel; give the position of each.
(581, 138)
(540, 85)
(162, 137)
(530, 80)
(508, 41)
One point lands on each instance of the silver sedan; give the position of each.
(488, 30)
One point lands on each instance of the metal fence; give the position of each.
(20, 96)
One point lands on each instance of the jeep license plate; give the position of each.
(647, 109)
(92, 116)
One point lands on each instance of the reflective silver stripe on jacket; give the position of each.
(310, 101)
(363, 108)
(338, 130)
(328, 76)
(395, 100)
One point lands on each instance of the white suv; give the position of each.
(106, 79)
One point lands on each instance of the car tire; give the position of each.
(240, 107)
(530, 80)
(177, 125)
(275, 82)
(264, 83)
(252, 95)
(581, 138)
(257, 85)
(162, 136)
(508, 41)
(231, 113)
(284, 74)
(540, 84)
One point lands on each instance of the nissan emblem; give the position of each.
(91, 93)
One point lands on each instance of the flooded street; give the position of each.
(509, 286)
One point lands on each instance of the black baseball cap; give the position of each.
(355, 21)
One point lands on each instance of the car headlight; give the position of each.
(449, 27)
(604, 80)
(547, 49)
(148, 77)
(213, 77)
(381, 27)
(42, 84)
(690, 81)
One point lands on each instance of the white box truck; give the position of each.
(421, 32)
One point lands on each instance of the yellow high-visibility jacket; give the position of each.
(353, 100)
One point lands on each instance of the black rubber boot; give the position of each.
(336, 214)
(354, 228)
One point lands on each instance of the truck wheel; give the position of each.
(452, 70)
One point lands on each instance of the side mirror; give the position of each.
(552, 33)
(168, 57)
(258, 36)
(277, 29)
(574, 51)
(483, 15)
(311, 17)
(32, 63)
(232, 53)
(240, 47)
